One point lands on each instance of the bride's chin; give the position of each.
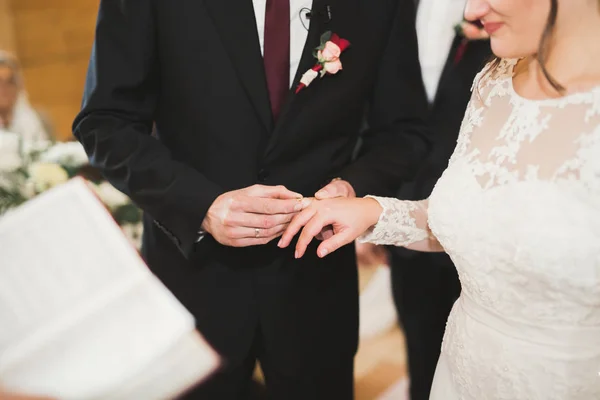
(507, 48)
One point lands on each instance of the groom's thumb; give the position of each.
(328, 192)
(337, 188)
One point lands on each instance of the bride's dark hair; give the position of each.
(543, 50)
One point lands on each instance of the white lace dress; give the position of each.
(518, 211)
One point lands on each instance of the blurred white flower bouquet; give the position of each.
(27, 170)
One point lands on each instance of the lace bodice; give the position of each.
(518, 211)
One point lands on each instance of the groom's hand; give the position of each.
(252, 216)
(335, 188)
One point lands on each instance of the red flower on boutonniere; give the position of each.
(469, 32)
(328, 59)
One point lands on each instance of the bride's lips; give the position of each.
(491, 27)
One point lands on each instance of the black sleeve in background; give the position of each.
(396, 141)
(115, 124)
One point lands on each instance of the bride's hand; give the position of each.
(349, 219)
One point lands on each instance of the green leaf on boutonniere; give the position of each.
(325, 37)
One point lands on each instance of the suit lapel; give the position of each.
(319, 24)
(236, 24)
(476, 55)
(315, 31)
(307, 60)
(449, 66)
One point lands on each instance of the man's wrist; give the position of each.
(201, 235)
(203, 231)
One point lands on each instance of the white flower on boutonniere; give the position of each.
(328, 59)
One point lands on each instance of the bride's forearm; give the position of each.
(401, 223)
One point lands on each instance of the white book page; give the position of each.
(80, 314)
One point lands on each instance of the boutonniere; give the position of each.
(469, 32)
(328, 59)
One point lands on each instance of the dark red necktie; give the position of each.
(277, 52)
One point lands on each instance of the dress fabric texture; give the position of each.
(518, 211)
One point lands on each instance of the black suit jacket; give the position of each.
(194, 68)
(448, 109)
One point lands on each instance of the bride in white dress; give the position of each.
(518, 210)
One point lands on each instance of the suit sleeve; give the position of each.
(396, 141)
(116, 120)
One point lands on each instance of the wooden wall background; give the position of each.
(53, 40)
(7, 39)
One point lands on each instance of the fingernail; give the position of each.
(323, 252)
(296, 254)
(299, 207)
(280, 242)
(306, 202)
(321, 193)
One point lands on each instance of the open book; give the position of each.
(81, 316)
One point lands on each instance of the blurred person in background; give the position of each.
(17, 116)
(426, 285)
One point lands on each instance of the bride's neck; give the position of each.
(574, 57)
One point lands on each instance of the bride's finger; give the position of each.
(312, 229)
(295, 225)
(333, 243)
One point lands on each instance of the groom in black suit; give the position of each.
(218, 79)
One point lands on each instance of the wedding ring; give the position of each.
(256, 232)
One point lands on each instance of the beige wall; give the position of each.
(7, 38)
(53, 40)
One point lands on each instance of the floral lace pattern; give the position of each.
(403, 216)
(518, 211)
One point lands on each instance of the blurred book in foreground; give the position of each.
(81, 315)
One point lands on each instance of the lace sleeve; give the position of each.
(402, 223)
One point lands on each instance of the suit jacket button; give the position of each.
(263, 175)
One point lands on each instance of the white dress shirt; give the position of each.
(298, 29)
(435, 31)
(299, 25)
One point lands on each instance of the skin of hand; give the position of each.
(349, 218)
(252, 216)
(335, 188)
